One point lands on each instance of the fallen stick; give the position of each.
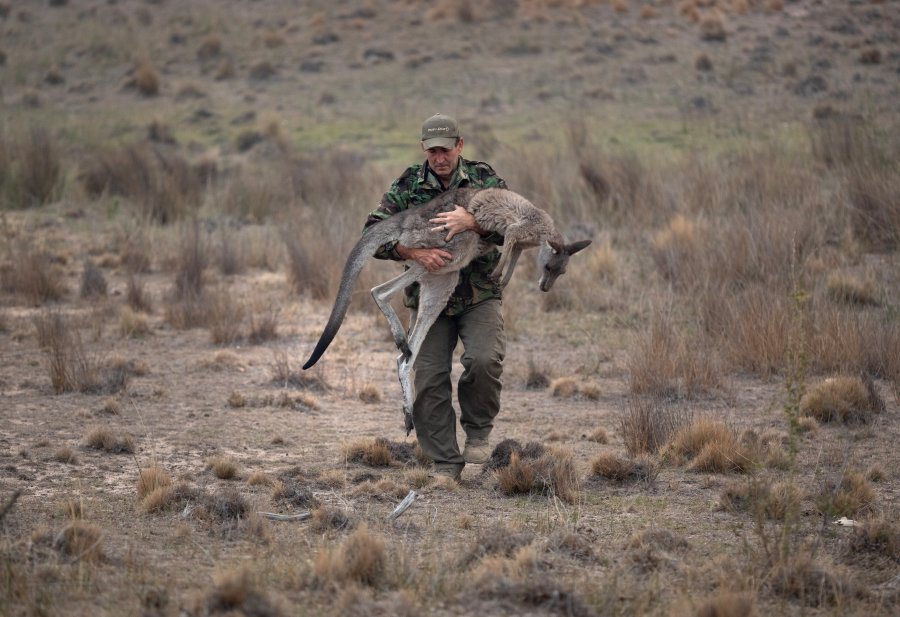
(302, 516)
(403, 506)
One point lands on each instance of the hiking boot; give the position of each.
(477, 451)
(447, 471)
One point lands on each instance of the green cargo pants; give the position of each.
(480, 328)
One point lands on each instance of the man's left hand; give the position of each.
(455, 222)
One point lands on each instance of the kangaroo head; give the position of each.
(553, 257)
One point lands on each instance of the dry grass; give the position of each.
(240, 592)
(775, 501)
(876, 535)
(33, 274)
(225, 318)
(669, 366)
(93, 283)
(152, 478)
(618, 469)
(133, 324)
(848, 289)
(65, 455)
(850, 400)
(146, 78)
(80, 541)
(159, 181)
(222, 467)
(849, 497)
(113, 442)
(711, 447)
(811, 582)
(647, 425)
(31, 168)
(549, 471)
(360, 558)
(370, 393)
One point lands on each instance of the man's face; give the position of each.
(442, 161)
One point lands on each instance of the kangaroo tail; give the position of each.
(365, 248)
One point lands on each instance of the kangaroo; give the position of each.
(522, 224)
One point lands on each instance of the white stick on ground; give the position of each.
(302, 516)
(403, 506)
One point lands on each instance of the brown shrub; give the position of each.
(152, 478)
(160, 181)
(133, 324)
(70, 368)
(370, 393)
(237, 592)
(225, 318)
(876, 535)
(263, 325)
(847, 289)
(66, 455)
(646, 425)
(874, 210)
(667, 365)
(222, 467)
(33, 274)
(375, 453)
(851, 496)
(711, 446)
(146, 78)
(800, 577)
(712, 28)
(618, 469)
(851, 400)
(93, 283)
(109, 441)
(326, 518)
(517, 477)
(360, 558)
(537, 378)
(210, 47)
(728, 604)
(31, 173)
(599, 435)
(521, 470)
(80, 540)
(703, 63)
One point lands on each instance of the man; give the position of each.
(472, 315)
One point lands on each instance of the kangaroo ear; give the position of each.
(573, 248)
(557, 247)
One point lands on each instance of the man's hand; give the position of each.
(430, 259)
(455, 222)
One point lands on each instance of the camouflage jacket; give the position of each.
(417, 185)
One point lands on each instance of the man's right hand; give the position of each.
(431, 259)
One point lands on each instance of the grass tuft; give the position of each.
(110, 441)
(842, 399)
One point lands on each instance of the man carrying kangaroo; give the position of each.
(472, 315)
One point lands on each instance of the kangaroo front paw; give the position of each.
(408, 420)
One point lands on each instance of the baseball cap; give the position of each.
(440, 131)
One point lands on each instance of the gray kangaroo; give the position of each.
(521, 223)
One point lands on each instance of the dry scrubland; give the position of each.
(710, 388)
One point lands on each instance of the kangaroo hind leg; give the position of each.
(384, 292)
(433, 295)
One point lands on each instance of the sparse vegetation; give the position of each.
(729, 341)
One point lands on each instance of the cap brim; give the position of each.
(439, 142)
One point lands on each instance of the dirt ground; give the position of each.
(667, 544)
